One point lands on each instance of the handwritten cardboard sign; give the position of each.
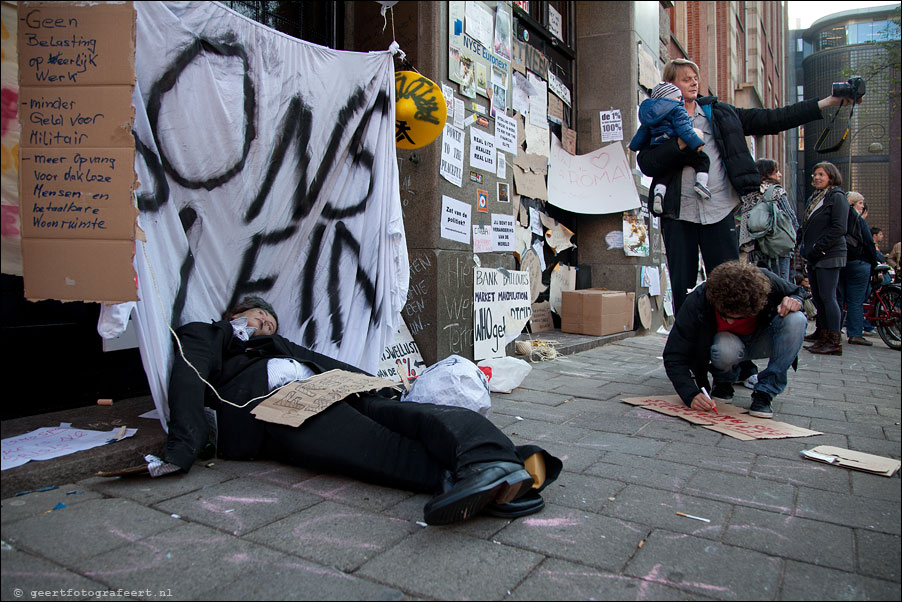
(501, 308)
(729, 420)
(299, 400)
(77, 155)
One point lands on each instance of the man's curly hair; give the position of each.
(737, 289)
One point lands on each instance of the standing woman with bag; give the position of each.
(772, 176)
(824, 248)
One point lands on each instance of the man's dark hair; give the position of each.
(766, 168)
(251, 302)
(737, 289)
(875, 231)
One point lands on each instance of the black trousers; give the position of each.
(718, 242)
(388, 442)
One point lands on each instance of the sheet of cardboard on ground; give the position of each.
(857, 460)
(77, 176)
(299, 400)
(730, 420)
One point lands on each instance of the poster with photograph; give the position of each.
(635, 235)
(503, 193)
(502, 32)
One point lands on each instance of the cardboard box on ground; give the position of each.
(597, 312)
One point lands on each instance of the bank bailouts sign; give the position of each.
(501, 308)
(267, 166)
(420, 110)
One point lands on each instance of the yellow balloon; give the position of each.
(420, 110)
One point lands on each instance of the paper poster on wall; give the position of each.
(455, 220)
(479, 23)
(651, 278)
(501, 308)
(503, 192)
(502, 32)
(538, 101)
(555, 23)
(555, 109)
(448, 93)
(502, 232)
(482, 239)
(452, 161)
(558, 87)
(501, 169)
(520, 95)
(466, 21)
(635, 235)
(459, 113)
(611, 125)
(76, 150)
(597, 182)
(482, 150)
(506, 133)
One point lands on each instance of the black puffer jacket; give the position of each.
(688, 349)
(664, 163)
(824, 232)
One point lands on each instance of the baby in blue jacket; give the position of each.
(663, 117)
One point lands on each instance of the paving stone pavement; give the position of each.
(780, 527)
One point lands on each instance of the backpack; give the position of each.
(771, 228)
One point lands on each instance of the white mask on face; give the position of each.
(241, 330)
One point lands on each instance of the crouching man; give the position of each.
(741, 312)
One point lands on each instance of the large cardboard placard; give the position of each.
(856, 460)
(77, 155)
(299, 400)
(729, 420)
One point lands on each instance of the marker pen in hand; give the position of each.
(705, 392)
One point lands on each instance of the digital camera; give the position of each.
(854, 88)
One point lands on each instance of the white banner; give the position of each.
(594, 183)
(267, 166)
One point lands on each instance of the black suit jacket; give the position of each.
(237, 370)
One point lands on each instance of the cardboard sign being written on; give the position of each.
(730, 420)
(299, 400)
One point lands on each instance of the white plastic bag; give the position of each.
(507, 373)
(454, 381)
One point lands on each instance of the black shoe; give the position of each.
(760, 407)
(530, 503)
(479, 485)
(722, 391)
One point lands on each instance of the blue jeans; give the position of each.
(779, 266)
(780, 341)
(853, 286)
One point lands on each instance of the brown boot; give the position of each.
(816, 338)
(832, 345)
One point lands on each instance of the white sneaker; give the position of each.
(750, 382)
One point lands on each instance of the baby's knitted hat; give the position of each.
(666, 90)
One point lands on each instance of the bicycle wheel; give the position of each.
(890, 305)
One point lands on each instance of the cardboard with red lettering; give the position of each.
(729, 420)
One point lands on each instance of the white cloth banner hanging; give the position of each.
(267, 166)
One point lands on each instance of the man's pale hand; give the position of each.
(702, 403)
(789, 305)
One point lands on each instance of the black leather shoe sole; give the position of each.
(469, 496)
(528, 504)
